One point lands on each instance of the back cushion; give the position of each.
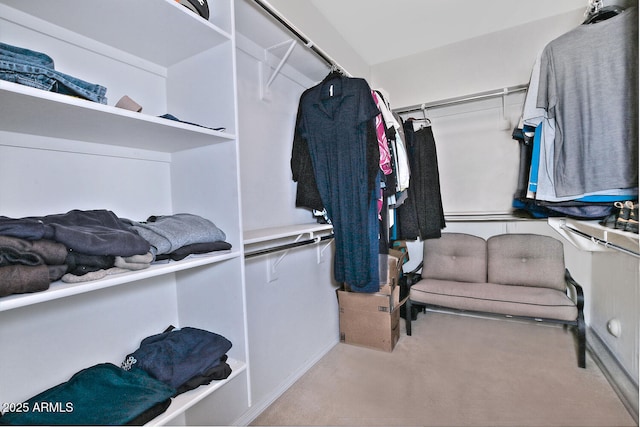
(526, 259)
(455, 256)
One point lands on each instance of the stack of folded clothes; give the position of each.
(90, 241)
(36, 69)
(163, 366)
(183, 358)
(29, 266)
(177, 236)
(80, 246)
(102, 394)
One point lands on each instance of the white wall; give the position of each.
(314, 26)
(266, 138)
(477, 158)
(493, 61)
(292, 315)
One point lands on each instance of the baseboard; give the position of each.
(257, 408)
(624, 385)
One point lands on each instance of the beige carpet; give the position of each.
(454, 371)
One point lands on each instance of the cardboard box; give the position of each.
(393, 268)
(403, 256)
(370, 320)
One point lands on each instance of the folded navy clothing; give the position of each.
(175, 119)
(218, 372)
(177, 356)
(95, 232)
(102, 394)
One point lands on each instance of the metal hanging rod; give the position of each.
(287, 246)
(308, 43)
(597, 241)
(463, 99)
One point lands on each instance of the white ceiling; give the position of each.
(382, 30)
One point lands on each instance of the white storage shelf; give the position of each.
(60, 289)
(23, 108)
(158, 31)
(84, 155)
(183, 402)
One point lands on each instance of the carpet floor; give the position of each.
(454, 371)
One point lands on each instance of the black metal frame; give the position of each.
(578, 325)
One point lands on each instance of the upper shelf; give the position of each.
(160, 31)
(22, 110)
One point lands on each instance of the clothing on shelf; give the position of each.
(36, 69)
(95, 232)
(102, 394)
(168, 233)
(81, 246)
(163, 366)
(183, 359)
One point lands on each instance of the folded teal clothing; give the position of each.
(103, 394)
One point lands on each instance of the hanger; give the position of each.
(597, 12)
(427, 121)
(334, 72)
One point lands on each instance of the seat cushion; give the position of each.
(455, 256)
(512, 300)
(527, 260)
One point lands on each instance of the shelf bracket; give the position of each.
(272, 264)
(264, 67)
(320, 249)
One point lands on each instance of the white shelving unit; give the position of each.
(59, 153)
(594, 237)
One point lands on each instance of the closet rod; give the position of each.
(464, 99)
(308, 43)
(600, 241)
(287, 246)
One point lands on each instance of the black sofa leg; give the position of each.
(407, 316)
(582, 341)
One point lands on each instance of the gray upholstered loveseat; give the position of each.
(518, 275)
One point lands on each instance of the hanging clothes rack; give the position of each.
(305, 41)
(598, 241)
(288, 246)
(463, 99)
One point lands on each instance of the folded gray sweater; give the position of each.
(167, 233)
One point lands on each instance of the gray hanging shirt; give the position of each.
(589, 84)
